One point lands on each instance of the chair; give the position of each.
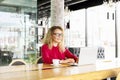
(17, 62)
(39, 60)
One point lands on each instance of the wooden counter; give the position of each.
(63, 72)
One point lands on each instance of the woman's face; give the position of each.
(57, 36)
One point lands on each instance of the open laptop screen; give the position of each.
(88, 55)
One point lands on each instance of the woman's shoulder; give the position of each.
(44, 46)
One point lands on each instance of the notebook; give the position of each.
(87, 55)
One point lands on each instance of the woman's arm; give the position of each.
(71, 58)
(45, 55)
(70, 55)
(68, 60)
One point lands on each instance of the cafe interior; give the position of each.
(87, 24)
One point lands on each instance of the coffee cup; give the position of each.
(56, 62)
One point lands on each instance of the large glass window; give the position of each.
(17, 29)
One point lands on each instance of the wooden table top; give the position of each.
(49, 72)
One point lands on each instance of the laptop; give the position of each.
(87, 55)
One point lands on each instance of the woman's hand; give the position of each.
(69, 60)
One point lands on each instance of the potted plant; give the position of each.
(31, 61)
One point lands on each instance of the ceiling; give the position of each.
(18, 5)
(44, 5)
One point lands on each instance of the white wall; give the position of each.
(101, 29)
(76, 34)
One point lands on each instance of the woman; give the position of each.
(53, 47)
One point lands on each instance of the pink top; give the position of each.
(54, 53)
